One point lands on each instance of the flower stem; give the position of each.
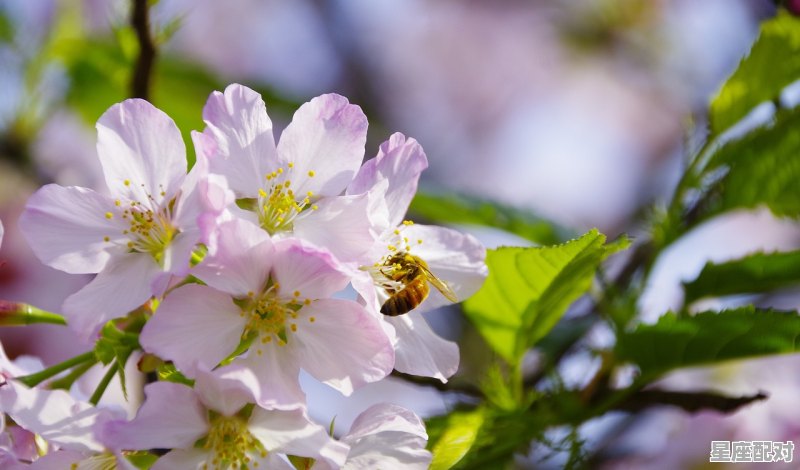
(103, 385)
(66, 382)
(20, 314)
(33, 380)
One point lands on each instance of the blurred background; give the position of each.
(579, 111)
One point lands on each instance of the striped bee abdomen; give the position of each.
(407, 299)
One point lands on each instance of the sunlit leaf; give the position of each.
(455, 438)
(762, 168)
(529, 289)
(760, 272)
(459, 209)
(708, 338)
(773, 63)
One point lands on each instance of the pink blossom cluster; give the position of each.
(241, 270)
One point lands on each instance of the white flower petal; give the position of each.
(124, 285)
(66, 227)
(291, 432)
(194, 315)
(57, 460)
(170, 417)
(420, 351)
(53, 414)
(278, 373)
(389, 450)
(386, 417)
(243, 146)
(327, 137)
(312, 272)
(344, 347)
(340, 224)
(242, 260)
(227, 389)
(191, 459)
(400, 161)
(139, 144)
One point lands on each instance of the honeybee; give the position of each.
(413, 275)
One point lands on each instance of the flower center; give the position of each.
(230, 443)
(278, 205)
(148, 230)
(271, 318)
(397, 267)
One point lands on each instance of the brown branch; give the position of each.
(140, 21)
(687, 401)
(438, 385)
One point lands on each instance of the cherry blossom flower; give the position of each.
(68, 426)
(455, 258)
(134, 234)
(215, 425)
(294, 188)
(276, 297)
(385, 436)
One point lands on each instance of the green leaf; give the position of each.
(763, 168)
(169, 373)
(709, 337)
(759, 272)
(141, 459)
(529, 289)
(455, 437)
(459, 209)
(773, 63)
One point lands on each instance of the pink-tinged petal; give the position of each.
(66, 228)
(299, 267)
(124, 285)
(278, 373)
(291, 432)
(53, 414)
(178, 254)
(364, 285)
(389, 450)
(192, 196)
(242, 259)
(341, 224)
(171, 417)
(20, 442)
(1, 233)
(386, 417)
(400, 161)
(227, 389)
(243, 146)
(420, 351)
(327, 137)
(344, 346)
(10, 462)
(191, 459)
(454, 257)
(57, 460)
(139, 144)
(273, 461)
(22, 365)
(194, 315)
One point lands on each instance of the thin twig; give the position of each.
(140, 21)
(687, 401)
(438, 385)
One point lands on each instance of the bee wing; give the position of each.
(440, 285)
